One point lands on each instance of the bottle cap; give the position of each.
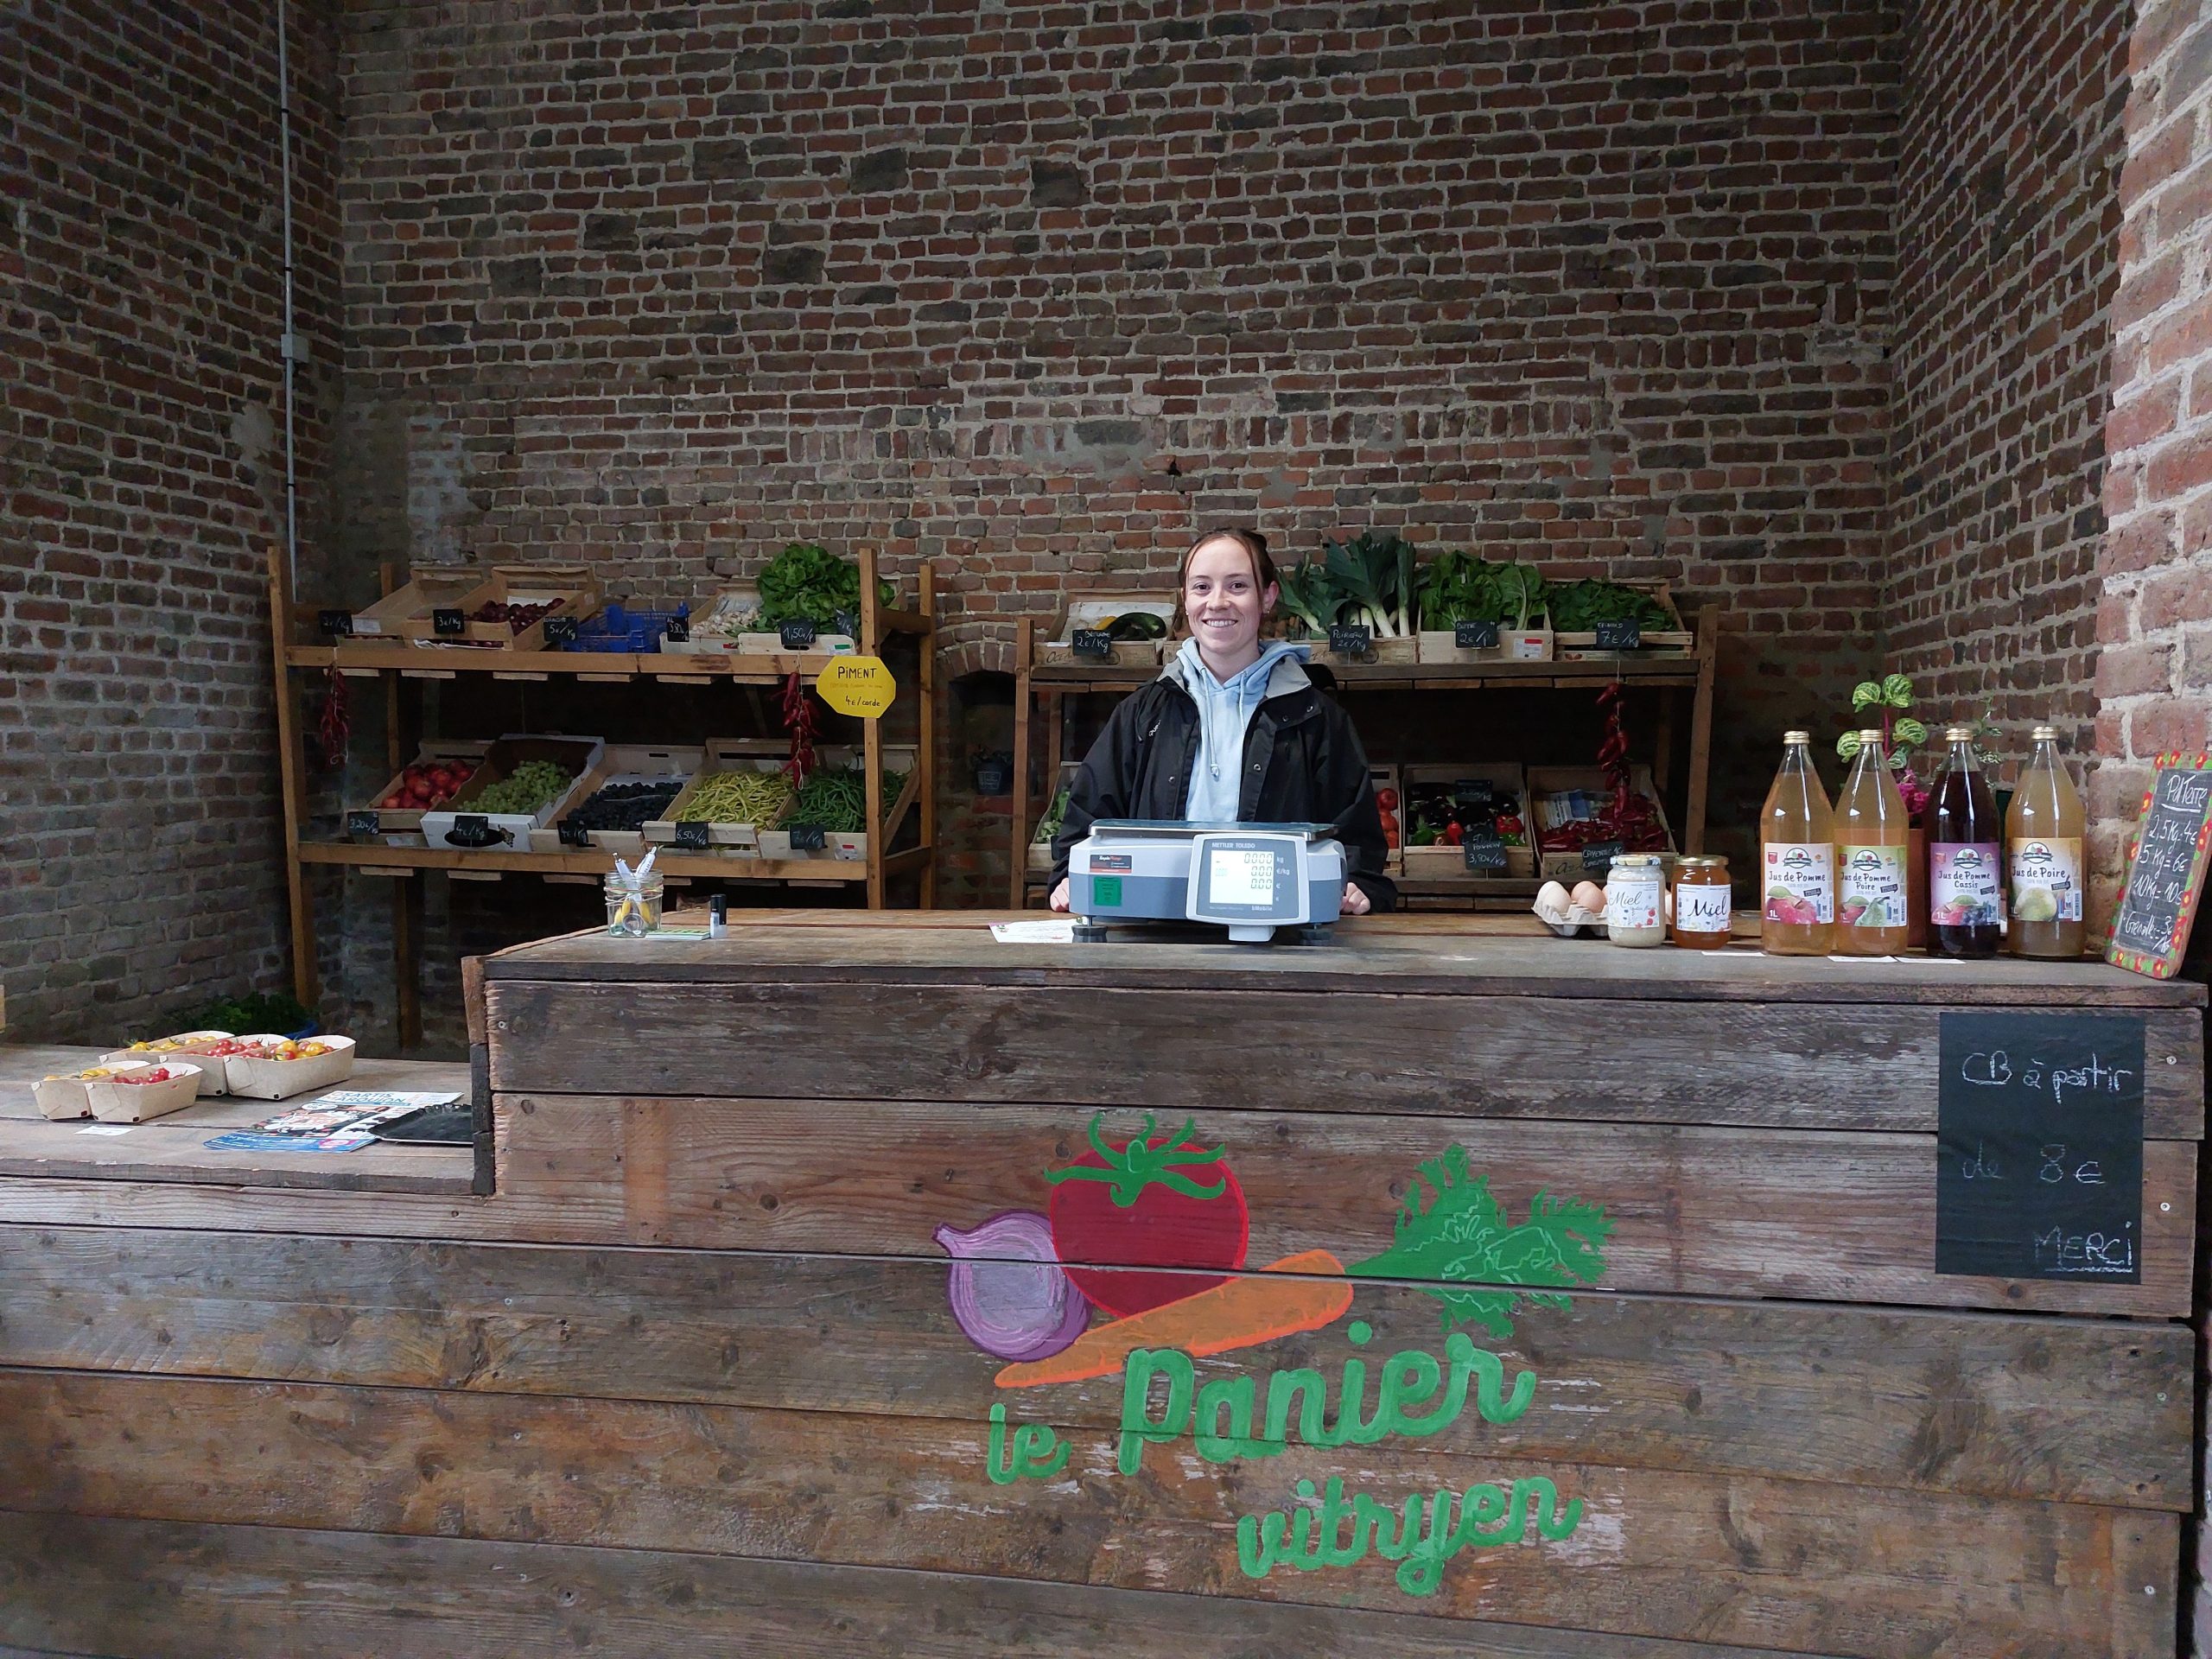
(1797, 737)
(2043, 734)
(1958, 733)
(1873, 736)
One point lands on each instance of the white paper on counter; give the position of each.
(1059, 932)
(109, 1129)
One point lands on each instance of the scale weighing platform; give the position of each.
(1249, 878)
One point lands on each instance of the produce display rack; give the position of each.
(391, 664)
(1692, 677)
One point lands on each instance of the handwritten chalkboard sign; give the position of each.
(561, 631)
(796, 635)
(338, 625)
(2165, 870)
(1486, 854)
(1620, 635)
(691, 836)
(807, 837)
(1347, 640)
(1096, 643)
(2039, 1147)
(1597, 857)
(447, 620)
(1474, 636)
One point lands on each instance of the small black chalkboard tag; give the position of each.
(363, 824)
(846, 622)
(797, 635)
(448, 619)
(1473, 791)
(691, 837)
(1620, 635)
(338, 624)
(1097, 643)
(1475, 636)
(1597, 857)
(476, 830)
(573, 835)
(677, 628)
(2039, 1147)
(559, 631)
(1486, 854)
(806, 838)
(1350, 641)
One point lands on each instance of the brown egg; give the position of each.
(1588, 895)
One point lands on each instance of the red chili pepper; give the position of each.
(334, 725)
(799, 721)
(1453, 835)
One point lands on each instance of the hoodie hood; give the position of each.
(1278, 670)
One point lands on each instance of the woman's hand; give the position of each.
(1059, 898)
(1355, 902)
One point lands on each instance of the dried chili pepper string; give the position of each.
(334, 724)
(798, 721)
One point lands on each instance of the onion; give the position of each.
(1007, 1292)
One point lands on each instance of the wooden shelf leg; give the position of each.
(926, 756)
(1708, 653)
(1023, 694)
(872, 737)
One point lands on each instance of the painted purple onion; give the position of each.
(1007, 1292)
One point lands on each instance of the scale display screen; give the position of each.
(1241, 875)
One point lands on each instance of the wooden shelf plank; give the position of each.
(462, 861)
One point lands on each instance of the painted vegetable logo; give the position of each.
(1024, 1285)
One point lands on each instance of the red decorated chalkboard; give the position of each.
(2165, 868)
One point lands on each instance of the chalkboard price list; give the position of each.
(2167, 874)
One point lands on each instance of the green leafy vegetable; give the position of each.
(256, 1011)
(1451, 1228)
(1460, 587)
(1309, 595)
(809, 583)
(1579, 607)
(1375, 573)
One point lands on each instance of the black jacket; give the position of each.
(1303, 764)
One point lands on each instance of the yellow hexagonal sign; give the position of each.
(857, 685)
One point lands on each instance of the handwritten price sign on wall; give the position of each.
(2165, 870)
(857, 685)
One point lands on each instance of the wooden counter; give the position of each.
(690, 1380)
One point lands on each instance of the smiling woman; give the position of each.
(1233, 731)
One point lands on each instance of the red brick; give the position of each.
(2140, 419)
(2168, 724)
(2178, 468)
(2131, 671)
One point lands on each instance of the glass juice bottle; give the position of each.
(1872, 833)
(1797, 857)
(1966, 884)
(2043, 835)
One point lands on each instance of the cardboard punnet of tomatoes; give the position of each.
(1442, 818)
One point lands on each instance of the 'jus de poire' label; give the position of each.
(1873, 883)
(1966, 886)
(2047, 880)
(1800, 882)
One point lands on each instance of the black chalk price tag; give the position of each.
(1486, 854)
(848, 622)
(1475, 636)
(2039, 1147)
(448, 619)
(1094, 644)
(1350, 641)
(807, 838)
(1620, 635)
(364, 824)
(691, 837)
(1598, 857)
(572, 835)
(796, 636)
(561, 631)
(677, 628)
(337, 625)
(1473, 791)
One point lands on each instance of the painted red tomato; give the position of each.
(1156, 1201)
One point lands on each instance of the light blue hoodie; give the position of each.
(1225, 711)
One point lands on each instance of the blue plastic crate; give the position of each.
(617, 628)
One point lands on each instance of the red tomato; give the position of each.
(1157, 1201)
(1387, 799)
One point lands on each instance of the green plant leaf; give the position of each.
(1847, 746)
(1896, 691)
(1908, 732)
(1865, 695)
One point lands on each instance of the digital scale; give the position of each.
(1249, 878)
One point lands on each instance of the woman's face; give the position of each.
(1224, 602)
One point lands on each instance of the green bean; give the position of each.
(836, 799)
(743, 797)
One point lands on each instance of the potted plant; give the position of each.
(1887, 700)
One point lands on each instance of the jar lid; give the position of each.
(1634, 861)
(1702, 861)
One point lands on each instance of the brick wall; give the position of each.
(141, 471)
(1029, 292)
(2007, 223)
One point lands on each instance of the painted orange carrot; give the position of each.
(1249, 1309)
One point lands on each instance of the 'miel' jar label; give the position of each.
(1800, 882)
(1703, 907)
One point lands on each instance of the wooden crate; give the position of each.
(1545, 781)
(1403, 649)
(1508, 783)
(571, 589)
(407, 612)
(1677, 641)
(720, 755)
(578, 755)
(1093, 609)
(618, 763)
(850, 845)
(402, 826)
(708, 638)
(1514, 646)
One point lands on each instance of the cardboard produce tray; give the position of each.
(1509, 788)
(843, 844)
(618, 763)
(1674, 641)
(509, 832)
(398, 826)
(764, 754)
(1545, 782)
(409, 613)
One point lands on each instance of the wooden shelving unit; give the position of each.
(1689, 678)
(393, 664)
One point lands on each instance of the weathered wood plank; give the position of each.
(2017, 1406)
(1834, 1217)
(1823, 1066)
(176, 1150)
(155, 1590)
(1734, 1560)
(1465, 956)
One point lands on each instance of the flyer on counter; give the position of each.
(342, 1120)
